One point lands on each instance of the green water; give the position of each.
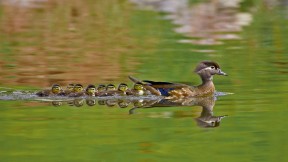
(254, 130)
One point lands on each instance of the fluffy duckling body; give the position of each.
(78, 91)
(90, 90)
(69, 89)
(138, 90)
(56, 90)
(100, 89)
(109, 89)
(121, 90)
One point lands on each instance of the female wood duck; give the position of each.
(56, 89)
(205, 69)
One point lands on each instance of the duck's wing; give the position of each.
(159, 88)
(158, 84)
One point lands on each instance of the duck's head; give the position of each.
(138, 86)
(110, 87)
(90, 90)
(78, 88)
(70, 87)
(56, 88)
(101, 87)
(123, 87)
(206, 69)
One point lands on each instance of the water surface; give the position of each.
(142, 43)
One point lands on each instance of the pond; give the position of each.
(43, 42)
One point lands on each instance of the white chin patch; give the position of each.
(141, 92)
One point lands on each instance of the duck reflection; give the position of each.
(205, 120)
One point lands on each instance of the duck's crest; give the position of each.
(205, 64)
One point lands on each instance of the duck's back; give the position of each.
(178, 90)
(169, 89)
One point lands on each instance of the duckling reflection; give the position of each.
(101, 102)
(205, 120)
(123, 103)
(56, 103)
(78, 102)
(111, 102)
(90, 102)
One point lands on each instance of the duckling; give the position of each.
(101, 88)
(110, 88)
(69, 89)
(121, 90)
(205, 69)
(90, 90)
(138, 90)
(78, 91)
(55, 90)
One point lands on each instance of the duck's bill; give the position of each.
(220, 72)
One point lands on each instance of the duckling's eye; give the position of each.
(212, 67)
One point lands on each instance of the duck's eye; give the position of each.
(212, 67)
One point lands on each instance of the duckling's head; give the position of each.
(56, 88)
(101, 87)
(206, 69)
(110, 87)
(138, 86)
(78, 88)
(123, 87)
(70, 87)
(90, 90)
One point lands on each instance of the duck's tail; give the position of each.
(135, 80)
(147, 86)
